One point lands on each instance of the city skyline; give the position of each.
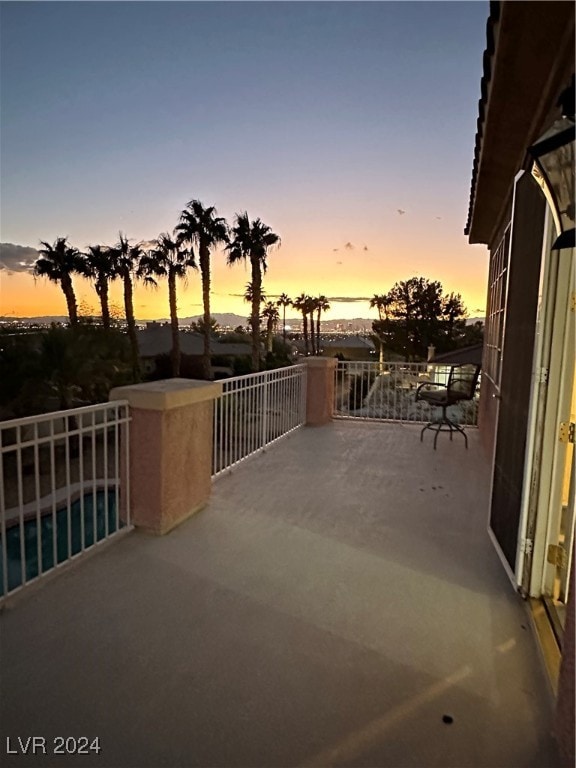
(346, 127)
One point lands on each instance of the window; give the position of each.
(497, 282)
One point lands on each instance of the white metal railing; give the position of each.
(387, 392)
(63, 488)
(256, 410)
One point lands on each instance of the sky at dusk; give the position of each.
(347, 127)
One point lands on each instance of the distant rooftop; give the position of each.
(156, 339)
(466, 355)
(350, 342)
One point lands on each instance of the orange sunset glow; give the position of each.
(338, 273)
(358, 156)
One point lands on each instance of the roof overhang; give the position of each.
(528, 61)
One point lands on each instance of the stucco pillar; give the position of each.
(320, 390)
(171, 434)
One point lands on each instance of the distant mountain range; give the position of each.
(225, 319)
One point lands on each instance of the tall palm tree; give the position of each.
(311, 305)
(202, 230)
(322, 305)
(284, 301)
(58, 263)
(126, 258)
(171, 260)
(271, 315)
(301, 304)
(251, 242)
(98, 266)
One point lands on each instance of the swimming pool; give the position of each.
(57, 544)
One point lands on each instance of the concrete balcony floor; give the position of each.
(335, 600)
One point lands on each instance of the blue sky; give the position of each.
(324, 119)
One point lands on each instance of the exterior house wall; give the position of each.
(519, 323)
(528, 62)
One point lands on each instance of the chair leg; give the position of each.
(443, 424)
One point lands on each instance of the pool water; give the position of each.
(13, 538)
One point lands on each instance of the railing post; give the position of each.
(320, 375)
(171, 438)
(266, 383)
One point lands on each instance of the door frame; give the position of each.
(525, 553)
(560, 397)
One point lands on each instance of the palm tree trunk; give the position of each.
(312, 334)
(305, 328)
(255, 315)
(205, 272)
(131, 324)
(102, 291)
(269, 334)
(284, 322)
(175, 355)
(318, 331)
(68, 290)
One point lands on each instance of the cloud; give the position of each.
(17, 258)
(348, 299)
(400, 211)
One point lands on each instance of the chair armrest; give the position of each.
(429, 384)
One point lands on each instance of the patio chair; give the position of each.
(461, 386)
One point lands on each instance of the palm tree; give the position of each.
(312, 305)
(284, 301)
(200, 228)
(248, 297)
(251, 241)
(169, 259)
(126, 258)
(98, 266)
(249, 294)
(322, 305)
(301, 304)
(58, 263)
(382, 303)
(271, 314)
